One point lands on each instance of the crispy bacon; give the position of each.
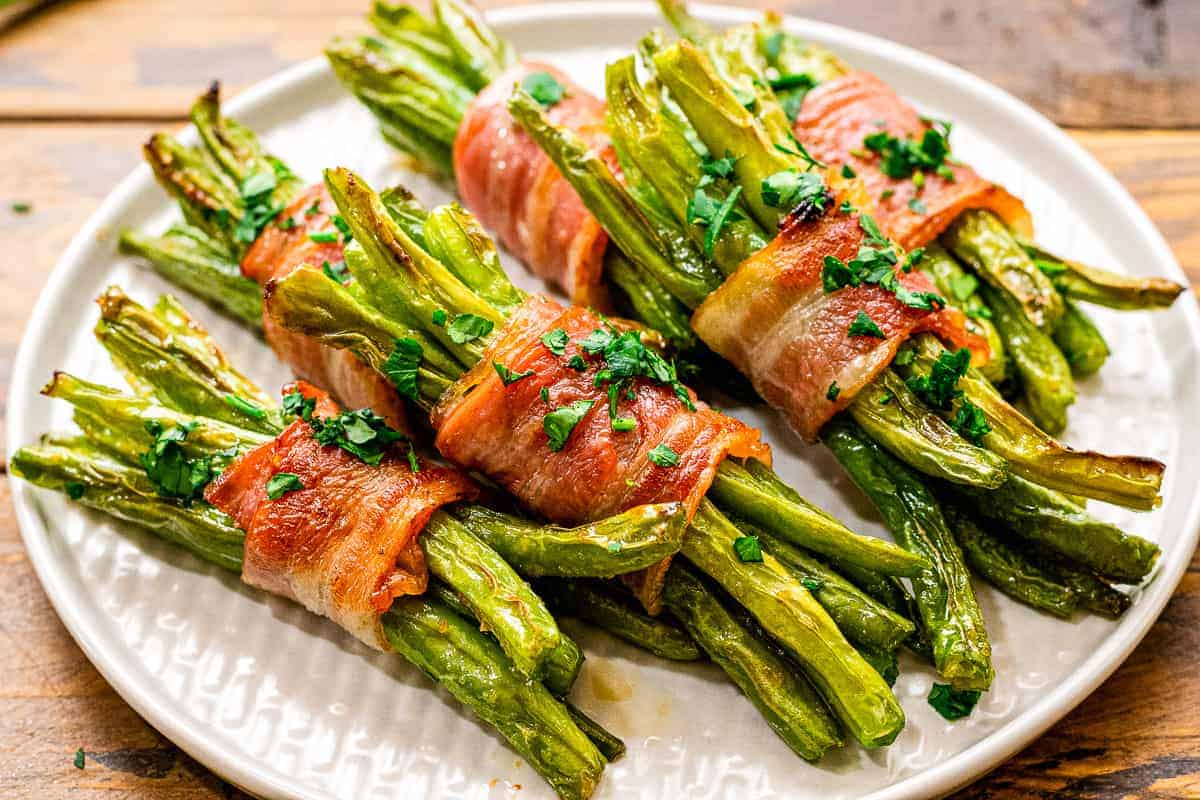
(345, 546)
(517, 193)
(496, 429)
(278, 251)
(838, 115)
(774, 321)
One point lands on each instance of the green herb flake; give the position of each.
(917, 206)
(508, 376)
(21, 207)
(340, 223)
(886, 194)
(663, 456)
(544, 394)
(718, 167)
(559, 423)
(296, 404)
(314, 209)
(286, 224)
(905, 356)
(468, 327)
(336, 271)
(281, 483)
(793, 80)
(913, 258)
(831, 394)
(256, 191)
(361, 433)
(622, 424)
(963, 285)
(800, 151)
(971, 422)
(402, 365)
(576, 362)
(848, 171)
(703, 210)
(812, 584)
(1050, 268)
(900, 158)
(614, 547)
(323, 237)
(79, 758)
(74, 489)
(748, 549)
(983, 312)
(556, 341)
(244, 406)
(438, 317)
(796, 191)
(939, 388)
(544, 88)
(168, 467)
(863, 325)
(953, 703)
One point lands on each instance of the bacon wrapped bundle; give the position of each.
(839, 114)
(345, 545)
(776, 323)
(284, 245)
(485, 425)
(517, 192)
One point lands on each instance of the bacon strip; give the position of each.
(774, 321)
(835, 118)
(517, 193)
(484, 425)
(345, 546)
(275, 254)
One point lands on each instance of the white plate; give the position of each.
(285, 705)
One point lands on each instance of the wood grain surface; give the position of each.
(83, 83)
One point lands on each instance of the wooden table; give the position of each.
(83, 83)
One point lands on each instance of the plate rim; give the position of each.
(953, 773)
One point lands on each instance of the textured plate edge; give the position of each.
(956, 771)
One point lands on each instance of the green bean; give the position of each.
(790, 614)
(496, 595)
(609, 745)
(660, 250)
(958, 287)
(650, 301)
(475, 671)
(164, 354)
(455, 238)
(418, 101)
(125, 492)
(791, 55)
(208, 198)
(406, 211)
(1080, 341)
(896, 418)
(1091, 591)
(786, 700)
(1046, 516)
(405, 25)
(983, 241)
(885, 662)
(1093, 285)
(1130, 481)
(604, 608)
(118, 421)
(1045, 374)
(1008, 568)
(629, 541)
(190, 258)
(753, 492)
(481, 55)
(962, 653)
(864, 620)
(686, 25)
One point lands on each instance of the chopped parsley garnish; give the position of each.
(863, 325)
(703, 210)
(833, 391)
(401, 366)
(747, 549)
(438, 317)
(468, 327)
(793, 80)
(323, 237)
(812, 584)
(507, 375)
(559, 423)
(622, 424)
(801, 193)
(171, 471)
(314, 209)
(940, 390)
(848, 171)
(718, 167)
(361, 433)
(286, 224)
(1050, 268)
(295, 404)
(544, 394)
(556, 341)
(614, 547)
(79, 758)
(963, 285)
(244, 406)
(576, 362)
(627, 358)
(256, 191)
(886, 194)
(953, 703)
(970, 421)
(917, 206)
(340, 223)
(905, 356)
(20, 207)
(983, 312)
(544, 88)
(281, 483)
(900, 158)
(912, 259)
(874, 264)
(663, 456)
(74, 489)
(336, 271)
